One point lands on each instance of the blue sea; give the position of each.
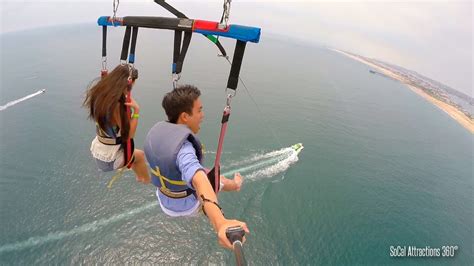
(381, 167)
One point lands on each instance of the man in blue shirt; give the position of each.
(174, 153)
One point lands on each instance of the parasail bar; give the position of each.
(238, 32)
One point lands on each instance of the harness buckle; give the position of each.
(175, 78)
(104, 63)
(229, 96)
(131, 67)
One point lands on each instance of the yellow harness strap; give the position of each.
(118, 174)
(157, 173)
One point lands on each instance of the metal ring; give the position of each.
(115, 9)
(229, 98)
(175, 78)
(104, 63)
(233, 94)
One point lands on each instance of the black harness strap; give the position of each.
(177, 46)
(171, 9)
(178, 14)
(233, 80)
(104, 70)
(126, 43)
(221, 48)
(104, 41)
(180, 51)
(131, 57)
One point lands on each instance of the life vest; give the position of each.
(162, 144)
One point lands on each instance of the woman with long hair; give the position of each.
(107, 104)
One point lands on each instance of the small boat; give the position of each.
(298, 147)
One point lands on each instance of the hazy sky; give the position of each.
(433, 38)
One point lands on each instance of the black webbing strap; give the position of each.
(170, 8)
(180, 50)
(131, 57)
(178, 14)
(236, 64)
(104, 41)
(126, 43)
(104, 71)
(221, 48)
(177, 46)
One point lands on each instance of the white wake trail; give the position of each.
(263, 166)
(262, 156)
(9, 104)
(90, 227)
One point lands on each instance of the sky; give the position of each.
(433, 38)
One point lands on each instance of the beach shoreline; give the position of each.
(451, 110)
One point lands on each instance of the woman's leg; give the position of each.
(140, 168)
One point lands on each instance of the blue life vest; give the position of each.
(162, 144)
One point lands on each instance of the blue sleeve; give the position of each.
(188, 163)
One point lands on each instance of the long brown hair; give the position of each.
(103, 97)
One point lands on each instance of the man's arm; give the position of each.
(193, 173)
(217, 219)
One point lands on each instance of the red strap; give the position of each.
(208, 25)
(217, 174)
(128, 146)
(103, 73)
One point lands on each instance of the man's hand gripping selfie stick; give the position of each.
(235, 235)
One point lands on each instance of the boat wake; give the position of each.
(264, 165)
(254, 168)
(9, 104)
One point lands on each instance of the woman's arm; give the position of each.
(134, 119)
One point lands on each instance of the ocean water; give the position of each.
(381, 166)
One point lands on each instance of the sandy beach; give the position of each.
(452, 111)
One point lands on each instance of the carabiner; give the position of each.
(176, 77)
